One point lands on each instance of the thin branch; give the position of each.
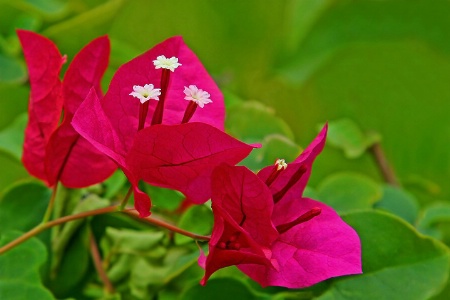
(383, 165)
(44, 226)
(51, 203)
(171, 227)
(96, 258)
(126, 198)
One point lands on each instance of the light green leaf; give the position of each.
(346, 135)
(433, 216)
(399, 202)
(83, 27)
(13, 70)
(394, 257)
(114, 184)
(164, 199)
(252, 121)
(197, 219)
(274, 146)
(11, 138)
(349, 191)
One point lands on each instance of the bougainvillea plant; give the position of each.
(162, 122)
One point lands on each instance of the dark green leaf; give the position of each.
(433, 216)
(19, 272)
(219, 289)
(394, 257)
(399, 202)
(28, 199)
(349, 191)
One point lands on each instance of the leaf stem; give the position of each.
(125, 199)
(51, 203)
(171, 227)
(97, 259)
(44, 226)
(386, 170)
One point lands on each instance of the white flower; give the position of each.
(145, 93)
(166, 63)
(199, 96)
(281, 164)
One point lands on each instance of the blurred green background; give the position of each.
(383, 64)
(378, 71)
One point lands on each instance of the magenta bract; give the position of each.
(54, 152)
(166, 153)
(299, 241)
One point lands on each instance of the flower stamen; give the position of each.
(280, 165)
(162, 62)
(198, 97)
(144, 93)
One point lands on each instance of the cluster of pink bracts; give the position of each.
(172, 136)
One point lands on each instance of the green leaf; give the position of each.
(394, 255)
(123, 248)
(433, 216)
(70, 266)
(349, 191)
(197, 219)
(274, 146)
(13, 70)
(11, 138)
(346, 135)
(19, 272)
(380, 51)
(114, 184)
(400, 203)
(83, 27)
(91, 202)
(18, 201)
(147, 277)
(48, 8)
(164, 199)
(252, 121)
(132, 241)
(14, 102)
(219, 289)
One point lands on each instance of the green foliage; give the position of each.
(11, 138)
(19, 272)
(349, 191)
(394, 256)
(253, 122)
(400, 203)
(346, 135)
(20, 199)
(197, 219)
(219, 288)
(372, 65)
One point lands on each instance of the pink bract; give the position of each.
(170, 155)
(54, 152)
(302, 250)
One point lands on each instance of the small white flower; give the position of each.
(145, 93)
(199, 96)
(281, 164)
(166, 63)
